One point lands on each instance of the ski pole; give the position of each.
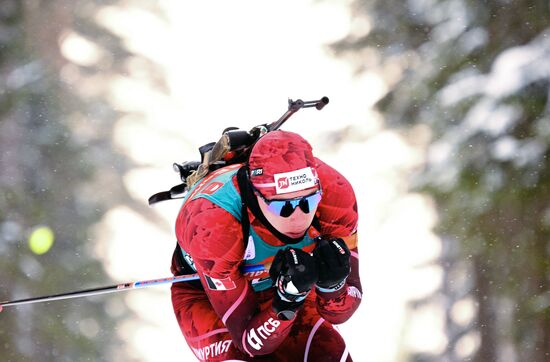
(118, 288)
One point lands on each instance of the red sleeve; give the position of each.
(213, 238)
(338, 217)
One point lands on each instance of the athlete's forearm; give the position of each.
(263, 333)
(254, 328)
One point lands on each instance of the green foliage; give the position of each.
(48, 166)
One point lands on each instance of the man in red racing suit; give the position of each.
(302, 218)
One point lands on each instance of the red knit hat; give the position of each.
(282, 162)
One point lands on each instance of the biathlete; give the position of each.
(290, 212)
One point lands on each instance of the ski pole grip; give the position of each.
(321, 103)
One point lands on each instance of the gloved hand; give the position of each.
(333, 264)
(293, 272)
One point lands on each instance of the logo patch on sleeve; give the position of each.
(219, 284)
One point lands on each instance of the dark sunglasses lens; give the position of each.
(304, 205)
(310, 202)
(275, 206)
(287, 209)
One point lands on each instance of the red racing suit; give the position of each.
(225, 317)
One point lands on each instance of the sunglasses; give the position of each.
(285, 208)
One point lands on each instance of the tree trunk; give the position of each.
(486, 315)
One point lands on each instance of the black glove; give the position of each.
(293, 272)
(333, 265)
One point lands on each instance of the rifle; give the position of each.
(234, 146)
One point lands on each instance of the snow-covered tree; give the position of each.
(476, 76)
(58, 170)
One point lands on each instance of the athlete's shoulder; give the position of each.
(336, 186)
(338, 208)
(215, 182)
(208, 232)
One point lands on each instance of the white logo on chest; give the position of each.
(250, 252)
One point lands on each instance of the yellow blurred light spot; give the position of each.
(41, 240)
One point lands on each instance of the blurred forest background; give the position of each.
(56, 153)
(475, 77)
(469, 78)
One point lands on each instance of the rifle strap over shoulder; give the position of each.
(242, 181)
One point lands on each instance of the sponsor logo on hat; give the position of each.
(295, 180)
(282, 182)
